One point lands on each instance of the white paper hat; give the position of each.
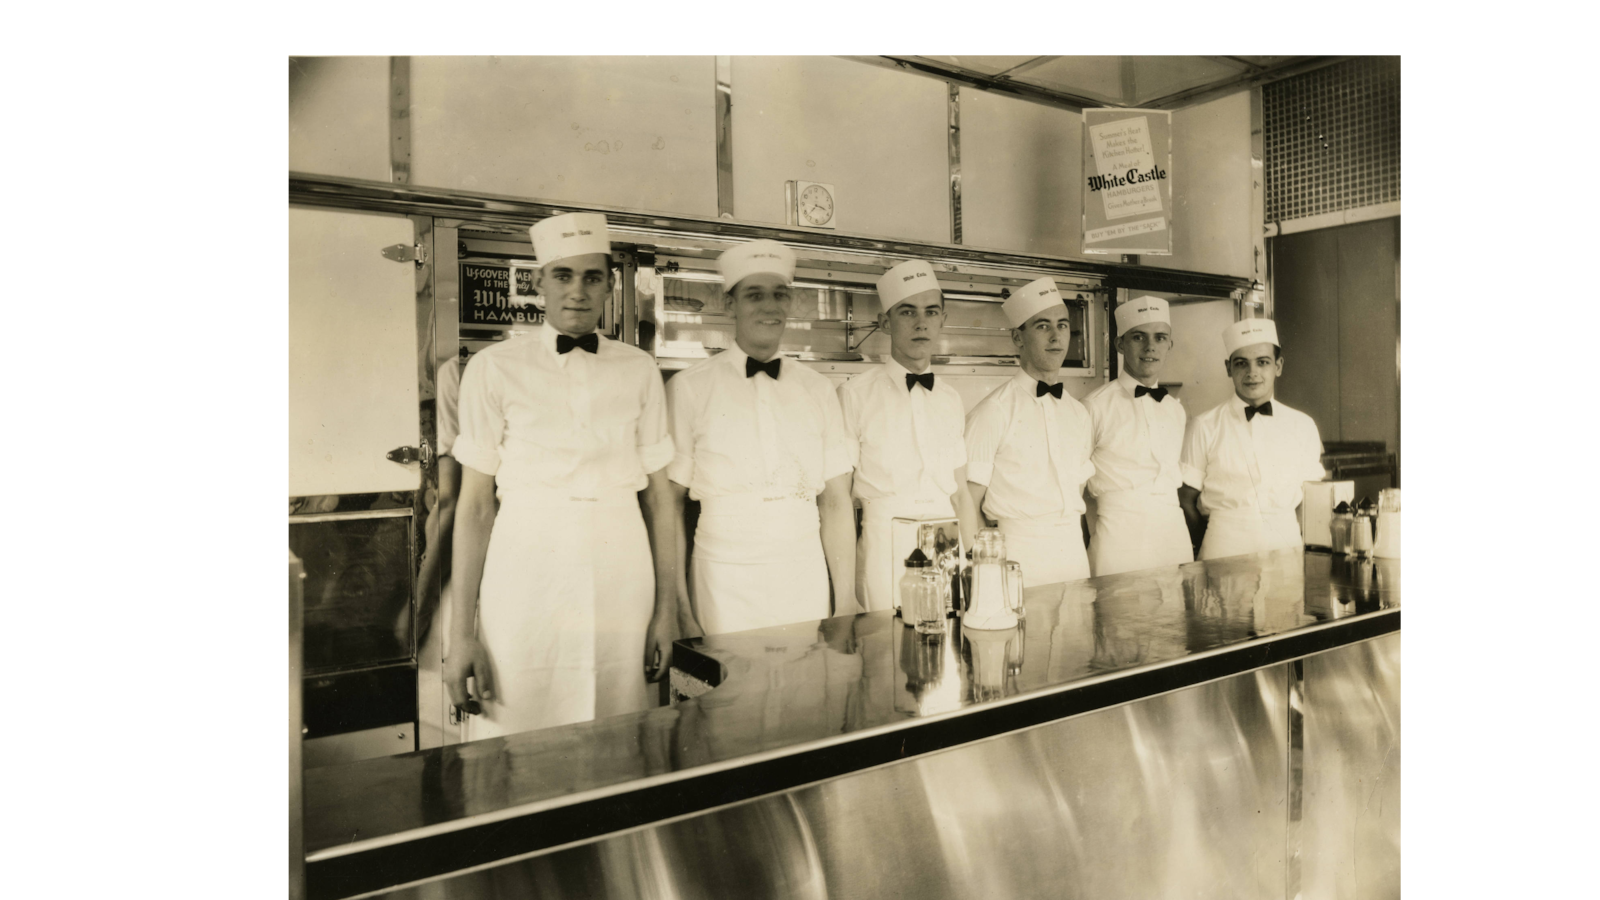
(914, 276)
(572, 234)
(1141, 311)
(740, 262)
(1245, 332)
(1031, 299)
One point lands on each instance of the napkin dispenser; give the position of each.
(1316, 510)
(939, 539)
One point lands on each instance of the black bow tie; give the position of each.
(589, 342)
(1250, 411)
(751, 367)
(1053, 390)
(925, 379)
(1155, 393)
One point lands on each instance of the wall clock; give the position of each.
(815, 204)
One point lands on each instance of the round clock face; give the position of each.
(816, 205)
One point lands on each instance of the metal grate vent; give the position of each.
(1333, 138)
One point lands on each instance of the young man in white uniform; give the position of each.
(761, 445)
(1245, 461)
(565, 599)
(1029, 445)
(906, 428)
(1138, 437)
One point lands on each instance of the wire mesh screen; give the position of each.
(1333, 138)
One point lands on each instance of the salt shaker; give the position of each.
(1361, 539)
(1341, 525)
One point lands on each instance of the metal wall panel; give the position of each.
(1021, 175)
(878, 136)
(1305, 273)
(1213, 229)
(1369, 332)
(1349, 839)
(339, 116)
(636, 132)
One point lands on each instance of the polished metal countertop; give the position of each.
(815, 701)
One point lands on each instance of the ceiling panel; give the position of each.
(1100, 79)
(1157, 76)
(983, 65)
(1265, 61)
(1096, 77)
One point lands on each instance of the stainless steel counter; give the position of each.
(825, 702)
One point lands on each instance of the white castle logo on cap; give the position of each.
(757, 257)
(1246, 332)
(1141, 311)
(1031, 299)
(571, 234)
(912, 277)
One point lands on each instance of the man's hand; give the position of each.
(468, 658)
(658, 645)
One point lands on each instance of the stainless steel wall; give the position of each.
(641, 133)
(339, 116)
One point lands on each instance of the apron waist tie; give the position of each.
(547, 497)
(884, 508)
(1136, 501)
(751, 528)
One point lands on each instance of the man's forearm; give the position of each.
(1189, 499)
(839, 543)
(474, 521)
(839, 548)
(664, 543)
(978, 492)
(678, 497)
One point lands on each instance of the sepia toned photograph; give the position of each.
(844, 477)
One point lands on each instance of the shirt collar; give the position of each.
(896, 372)
(1128, 382)
(547, 337)
(735, 357)
(1239, 404)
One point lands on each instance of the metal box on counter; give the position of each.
(1316, 510)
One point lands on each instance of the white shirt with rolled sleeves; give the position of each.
(908, 445)
(756, 453)
(535, 418)
(1250, 474)
(1034, 455)
(568, 584)
(1138, 442)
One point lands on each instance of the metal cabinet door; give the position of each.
(354, 392)
(352, 353)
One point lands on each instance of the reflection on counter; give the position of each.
(784, 688)
(1181, 795)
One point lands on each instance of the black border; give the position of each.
(441, 854)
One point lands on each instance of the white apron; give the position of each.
(1050, 550)
(565, 604)
(1233, 532)
(876, 570)
(1139, 530)
(758, 562)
